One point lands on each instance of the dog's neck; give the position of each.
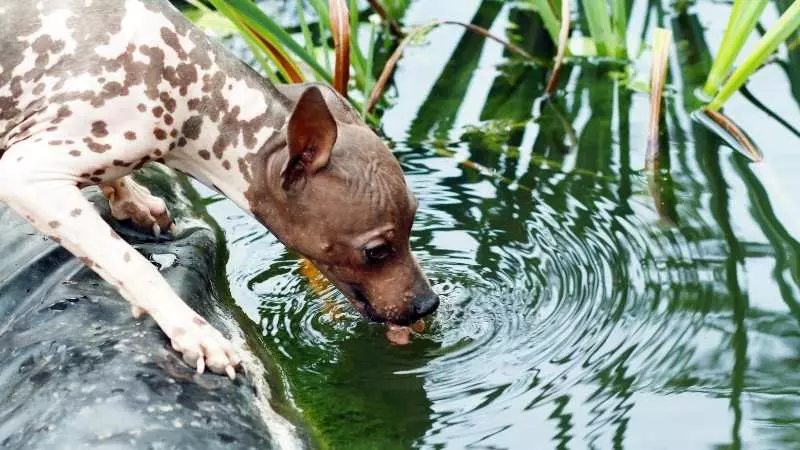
(257, 112)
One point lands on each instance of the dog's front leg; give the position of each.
(57, 208)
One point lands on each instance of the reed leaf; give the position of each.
(599, 22)
(743, 18)
(662, 39)
(778, 33)
(255, 19)
(340, 27)
(549, 17)
(563, 40)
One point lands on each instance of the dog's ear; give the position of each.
(311, 133)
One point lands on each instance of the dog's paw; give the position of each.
(202, 346)
(129, 200)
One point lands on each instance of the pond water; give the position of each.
(584, 305)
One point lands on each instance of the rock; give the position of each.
(77, 371)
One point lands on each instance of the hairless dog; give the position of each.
(90, 90)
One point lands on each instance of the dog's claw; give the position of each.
(231, 372)
(201, 365)
(156, 230)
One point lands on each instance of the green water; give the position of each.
(583, 304)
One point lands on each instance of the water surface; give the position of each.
(584, 305)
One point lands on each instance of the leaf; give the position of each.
(340, 27)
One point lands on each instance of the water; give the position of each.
(584, 304)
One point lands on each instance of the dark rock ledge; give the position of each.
(77, 371)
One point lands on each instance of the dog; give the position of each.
(90, 90)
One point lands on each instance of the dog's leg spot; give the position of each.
(55, 142)
(158, 111)
(226, 165)
(204, 154)
(160, 134)
(99, 172)
(174, 132)
(75, 212)
(130, 135)
(168, 119)
(126, 257)
(95, 179)
(54, 224)
(141, 107)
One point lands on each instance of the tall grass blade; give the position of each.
(743, 18)
(619, 22)
(381, 12)
(599, 22)
(549, 17)
(260, 42)
(730, 133)
(383, 79)
(662, 39)
(255, 19)
(778, 33)
(340, 27)
(563, 40)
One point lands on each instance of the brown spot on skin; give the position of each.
(191, 128)
(171, 39)
(99, 172)
(19, 158)
(84, 175)
(54, 224)
(126, 257)
(204, 154)
(69, 142)
(120, 163)
(75, 152)
(55, 142)
(160, 134)
(62, 113)
(50, 129)
(158, 152)
(141, 107)
(99, 129)
(226, 165)
(244, 170)
(181, 141)
(130, 135)
(171, 104)
(75, 212)
(199, 321)
(96, 146)
(38, 89)
(141, 162)
(96, 179)
(171, 146)
(158, 111)
(174, 132)
(168, 119)
(86, 260)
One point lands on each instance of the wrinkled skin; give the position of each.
(332, 191)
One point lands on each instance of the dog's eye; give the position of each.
(378, 254)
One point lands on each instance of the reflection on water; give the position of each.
(583, 304)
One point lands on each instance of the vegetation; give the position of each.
(331, 48)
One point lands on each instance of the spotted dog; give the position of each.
(90, 90)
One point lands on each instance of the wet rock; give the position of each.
(77, 371)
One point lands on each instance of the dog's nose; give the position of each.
(425, 304)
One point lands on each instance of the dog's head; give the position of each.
(339, 198)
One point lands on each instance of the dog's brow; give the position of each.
(363, 239)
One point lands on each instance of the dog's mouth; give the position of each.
(362, 305)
